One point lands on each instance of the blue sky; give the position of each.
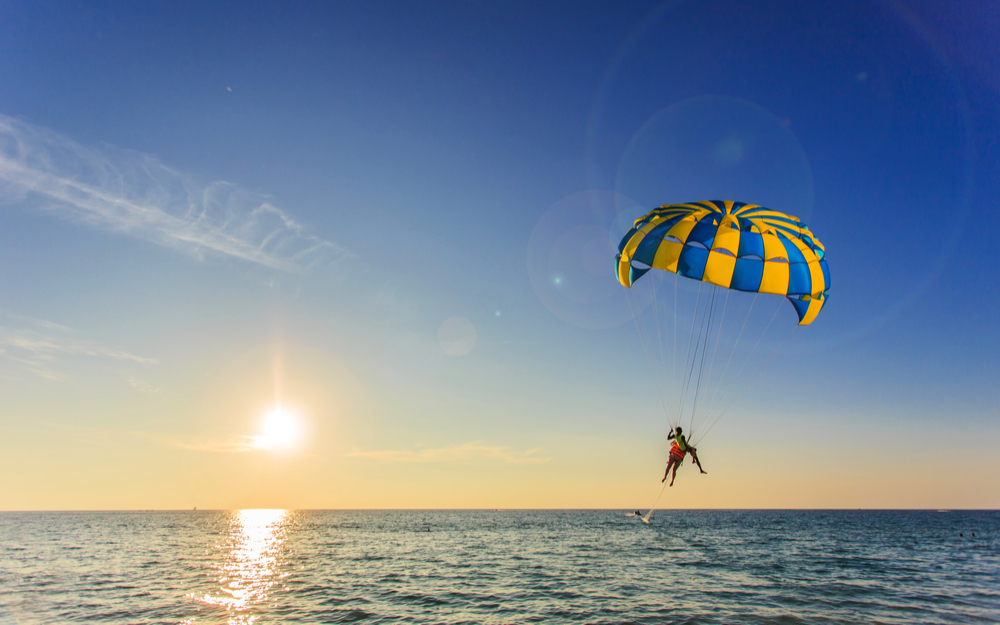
(209, 209)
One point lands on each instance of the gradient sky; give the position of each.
(210, 209)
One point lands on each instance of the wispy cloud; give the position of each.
(37, 345)
(240, 444)
(41, 322)
(143, 386)
(235, 444)
(475, 450)
(136, 194)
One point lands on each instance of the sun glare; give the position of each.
(279, 430)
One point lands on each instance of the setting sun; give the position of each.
(279, 430)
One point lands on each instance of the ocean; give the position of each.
(516, 566)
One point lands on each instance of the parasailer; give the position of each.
(721, 247)
(679, 447)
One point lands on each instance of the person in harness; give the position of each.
(678, 449)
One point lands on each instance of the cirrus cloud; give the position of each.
(36, 346)
(134, 193)
(475, 450)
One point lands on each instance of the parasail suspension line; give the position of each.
(729, 360)
(702, 348)
(750, 381)
(704, 355)
(751, 357)
(659, 338)
(682, 390)
(642, 339)
(715, 351)
(689, 368)
(645, 519)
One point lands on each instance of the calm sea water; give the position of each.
(275, 566)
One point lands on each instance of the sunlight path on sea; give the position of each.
(250, 565)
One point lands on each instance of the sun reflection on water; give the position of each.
(250, 567)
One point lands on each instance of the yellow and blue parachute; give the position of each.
(738, 246)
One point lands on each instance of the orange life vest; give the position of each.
(676, 451)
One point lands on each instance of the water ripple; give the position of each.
(597, 567)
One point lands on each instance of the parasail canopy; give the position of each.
(734, 245)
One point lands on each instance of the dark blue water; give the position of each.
(272, 566)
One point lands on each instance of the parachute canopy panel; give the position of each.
(738, 246)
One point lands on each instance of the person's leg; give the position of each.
(674, 475)
(667, 472)
(694, 456)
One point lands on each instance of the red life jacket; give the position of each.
(676, 451)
